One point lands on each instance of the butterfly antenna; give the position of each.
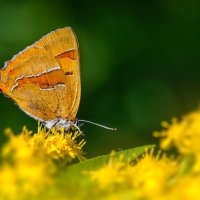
(96, 124)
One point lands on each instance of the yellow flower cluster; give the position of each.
(28, 160)
(160, 176)
(183, 135)
(144, 179)
(59, 145)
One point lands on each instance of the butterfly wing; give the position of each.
(44, 79)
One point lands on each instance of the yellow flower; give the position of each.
(156, 177)
(152, 174)
(24, 170)
(112, 173)
(59, 145)
(8, 181)
(147, 178)
(28, 166)
(186, 188)
(184, 135)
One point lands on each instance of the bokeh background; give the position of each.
(139, 63)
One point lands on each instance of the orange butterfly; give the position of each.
(44, 79)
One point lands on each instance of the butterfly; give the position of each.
(44, 80)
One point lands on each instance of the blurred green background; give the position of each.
(139, 63)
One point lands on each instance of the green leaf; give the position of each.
(77, 170)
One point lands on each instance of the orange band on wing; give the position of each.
(46, 80)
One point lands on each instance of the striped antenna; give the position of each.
(96, 124)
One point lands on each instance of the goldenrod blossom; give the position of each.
(158, 177)
(147, 177)
(28, 165)
(184, 134)
(112, 173)
(59, 145)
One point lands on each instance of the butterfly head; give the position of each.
(59, 122)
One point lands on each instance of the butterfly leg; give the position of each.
(77, 126)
